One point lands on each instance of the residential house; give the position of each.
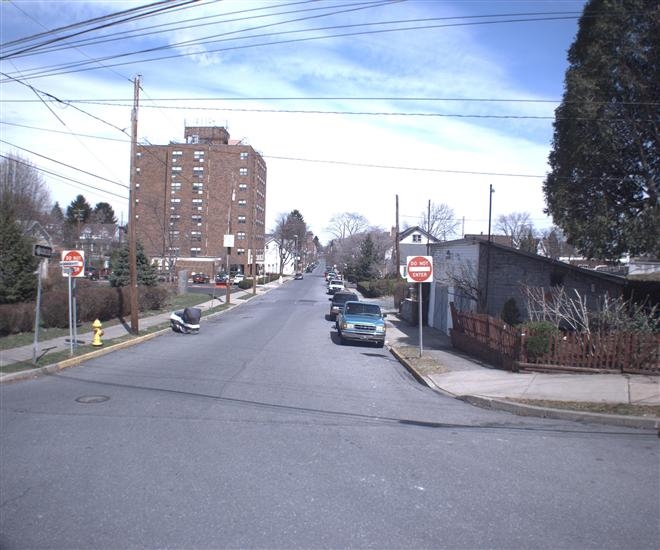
(480, 275)
(413, 241)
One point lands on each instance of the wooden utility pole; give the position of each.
(397, 255)
(132, 239)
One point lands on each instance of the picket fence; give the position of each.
(493, 339)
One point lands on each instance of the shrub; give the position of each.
(15, 318)
(151, 298)
(537, 340)
(55, 309)
(376, 288)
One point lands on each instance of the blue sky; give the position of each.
(460, 97)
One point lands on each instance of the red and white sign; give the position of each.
(420, 269)
(73, 261)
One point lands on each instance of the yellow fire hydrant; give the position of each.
(98, 332)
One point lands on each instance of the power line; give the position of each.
(64, 164)
(60, 176)
(83, 66)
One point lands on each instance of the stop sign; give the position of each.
(420, 269)
(73, 260)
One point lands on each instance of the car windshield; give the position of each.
(345, 297)
(362, 309)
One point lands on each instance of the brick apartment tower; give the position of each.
(190, 195)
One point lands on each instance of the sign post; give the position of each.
(419, 270)
(41, 252)
(73, 266)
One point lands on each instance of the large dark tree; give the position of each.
(602, 190)
(103, 213)
(79, 211)
(17, 263)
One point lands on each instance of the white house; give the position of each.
(272, 258)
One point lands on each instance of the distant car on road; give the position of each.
(222, 279)
(362, 322)
(336, 285)
(200, 278)
(338, 300)
(92, 273)
(238, 278)
(298, 276)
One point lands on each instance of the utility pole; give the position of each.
(490, 211)
(397, 256)
(132, 243)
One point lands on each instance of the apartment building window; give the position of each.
(177, 153)
(176, 186)
(242, 203)
(241, 219)
(175, 201)
(240, 236)
(198, 170)
(197, 219)
(177, 168)
(244, 155)
(198, 187)
(174, 234)
(242, 172)
(197, 202)
(195, 235)
(198, 156)
(417, 238)
(173, 251)
(240, 251)
(174, 218)
(242, 186)
(194, 252)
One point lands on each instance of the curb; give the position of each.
(640, 422)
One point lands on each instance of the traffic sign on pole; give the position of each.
(73, 263)
(419, 269)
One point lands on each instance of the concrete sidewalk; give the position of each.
(462, 377)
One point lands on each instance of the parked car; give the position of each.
(336, 285)
(238, 278)
(363, 322)
(200, 278)
(222, 279)
(298, 276)
(338, 300)
(92, 273)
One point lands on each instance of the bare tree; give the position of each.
(441, 223)
(464, 279)
(518, 226)
(346, 224)
(21, 186)
(289, 234)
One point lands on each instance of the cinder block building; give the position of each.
(189, 196)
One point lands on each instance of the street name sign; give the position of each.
(419, 269)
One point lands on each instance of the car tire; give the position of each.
(380, 344)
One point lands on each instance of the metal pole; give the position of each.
(419, 302)
(70, 314)
(490, 210)
(74, 313)
(35, 348)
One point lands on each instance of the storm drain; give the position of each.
(87, 399)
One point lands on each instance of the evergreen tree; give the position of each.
(56, 214)
(602, 190)
(365, 265)
(18, 282)
(120, 272)
(79, 211)
(104, 213)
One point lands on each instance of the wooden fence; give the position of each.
(504, 345)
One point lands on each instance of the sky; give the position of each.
(352, 103)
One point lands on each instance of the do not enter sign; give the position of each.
(73, 262)
(419, 269)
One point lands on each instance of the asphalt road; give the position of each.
(263, 432)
